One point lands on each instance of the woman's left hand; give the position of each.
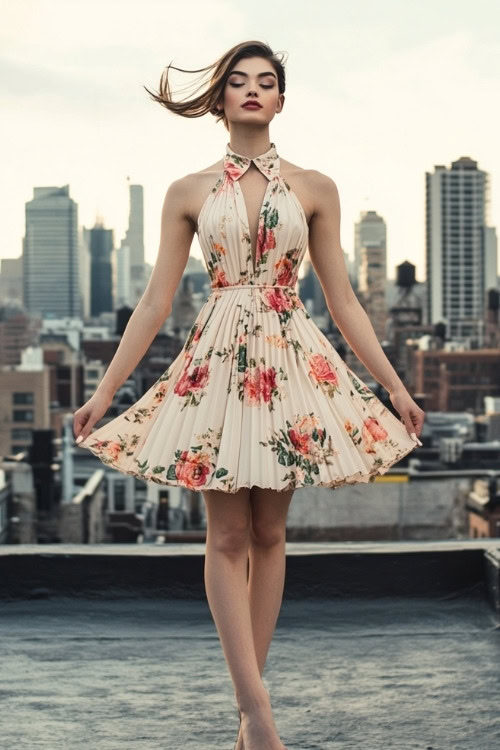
(411, 415)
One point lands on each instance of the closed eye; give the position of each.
(264, 86)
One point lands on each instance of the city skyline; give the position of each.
(412, 93)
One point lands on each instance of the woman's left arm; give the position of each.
(327, 258)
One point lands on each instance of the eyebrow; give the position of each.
(259, 75)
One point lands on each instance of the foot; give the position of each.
(258, 731)
(239, 742)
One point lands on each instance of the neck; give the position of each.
(250, 143)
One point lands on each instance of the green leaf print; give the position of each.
(142, 465)
(270, 217)
(363, 390)
(171, 472)
(242, 358)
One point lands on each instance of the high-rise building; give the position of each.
(461, 250)
(101, 278)
(122, 276)
(369, 231)
(134, 242)
(51, 254)
(370, 258)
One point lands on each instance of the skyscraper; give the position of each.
(370, 259)
(132, 247)
(101, 282)
(51, 254)
(461, 249)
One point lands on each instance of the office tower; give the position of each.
(461, 249)
(122, 288)
(11, 280)
(369, 231)
(101, 278)
(370, 253)
(134, 241)
(51, 255)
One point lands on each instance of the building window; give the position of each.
(25, 415)
(23, 398)
(20, 434)
(119, 497)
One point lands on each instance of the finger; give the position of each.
(81, 429)
(417, 421)
(412, 429)
(82, 436)
(77, 427)
(416, 418)
(408, 423)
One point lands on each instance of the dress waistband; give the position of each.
(252, 286)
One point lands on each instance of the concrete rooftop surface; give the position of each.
(149, 674)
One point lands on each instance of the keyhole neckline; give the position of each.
(235, 165)
(251, 267)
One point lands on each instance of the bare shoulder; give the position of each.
(312, 187)
(322, 182)
(191, 191)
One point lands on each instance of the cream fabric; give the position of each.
(258, 395)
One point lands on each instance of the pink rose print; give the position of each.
(220, 278)
(322, 370)
(251, 385)
(284, 269)
(265, 240)
(192, 468)
(372, 432)
(278, 300)
(300, 440)
(259, 385)
(267, 383)
(113, 450)
(233, 171)
(192, 381)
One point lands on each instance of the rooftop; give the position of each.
(378, 645)
(371, 675)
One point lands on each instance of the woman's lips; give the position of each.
(252, 105)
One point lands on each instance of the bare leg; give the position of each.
(226, 557)
(267, 565)
(267, 568)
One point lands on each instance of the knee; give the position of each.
(231, 540)
(267, 535)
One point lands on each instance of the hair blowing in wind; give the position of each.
(213, 79)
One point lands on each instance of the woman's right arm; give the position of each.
(153, 308)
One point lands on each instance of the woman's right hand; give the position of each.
(90, 413)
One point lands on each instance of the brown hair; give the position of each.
(200, 104)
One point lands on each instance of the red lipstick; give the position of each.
(252, 105)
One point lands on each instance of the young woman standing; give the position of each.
(258, 403)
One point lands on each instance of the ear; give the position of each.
(281, 102)
(220, 103)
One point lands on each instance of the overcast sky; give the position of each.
(377, 94)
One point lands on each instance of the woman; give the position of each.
(258, 402)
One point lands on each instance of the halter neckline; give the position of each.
(236, 164)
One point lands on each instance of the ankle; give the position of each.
(250, 704)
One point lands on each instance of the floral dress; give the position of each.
(257, 396)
